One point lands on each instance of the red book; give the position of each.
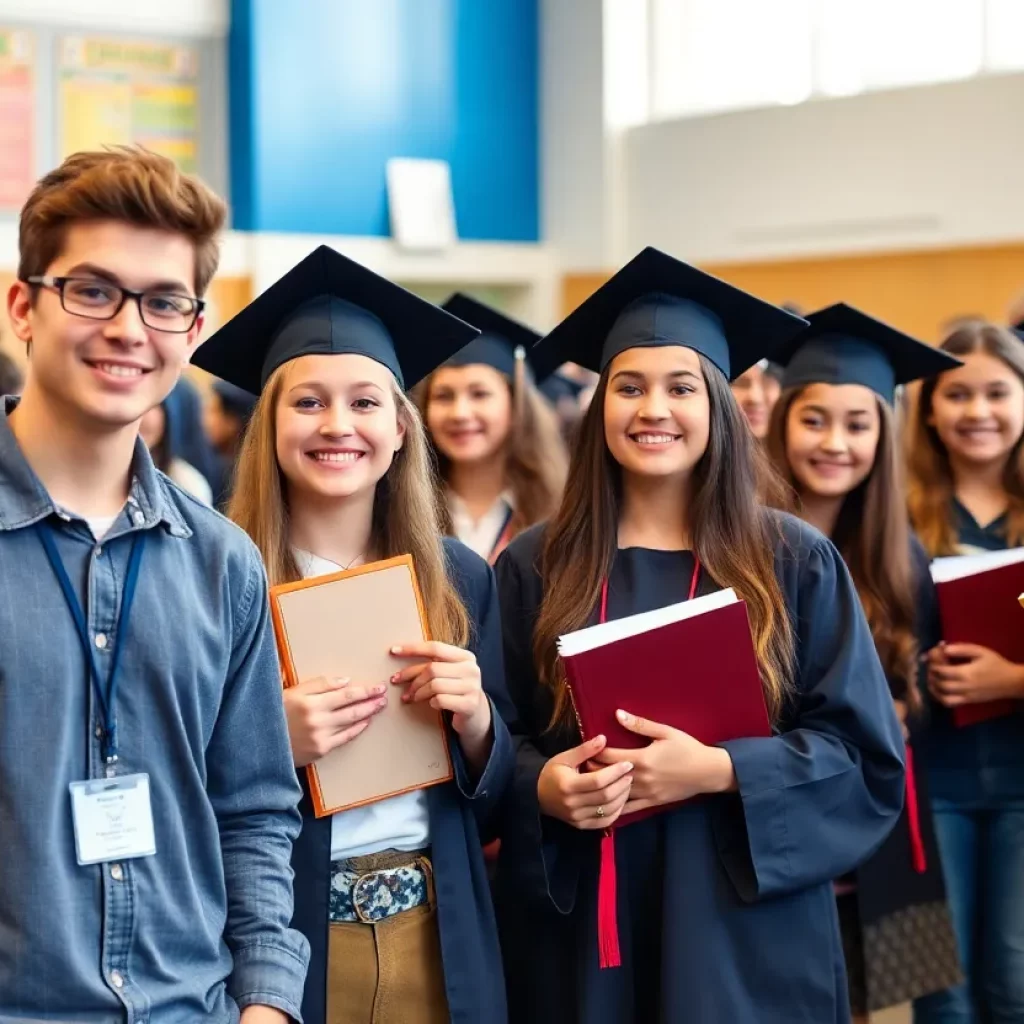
(691, 666)
(978, 605)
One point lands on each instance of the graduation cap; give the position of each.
(502, 339)
(844, 346)
(655, 300)
(328, 305)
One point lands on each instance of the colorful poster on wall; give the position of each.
(117, 92)
(17, 150)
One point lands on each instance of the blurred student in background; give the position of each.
(833, 440)
(161, 431)
(11, 378)
(568, 396)
(1016, 316)
(965, 447)
(756, 391)
(225, 416)
(499, 451)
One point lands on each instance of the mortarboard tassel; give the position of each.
(917, 854)
(607, 905)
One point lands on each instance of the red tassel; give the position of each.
(607, 905)
(917, 854)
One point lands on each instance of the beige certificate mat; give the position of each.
(344, 626)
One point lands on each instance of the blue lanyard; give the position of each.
(106, 700)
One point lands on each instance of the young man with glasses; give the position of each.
(147, 794)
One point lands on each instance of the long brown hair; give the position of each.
(931, 484)
(732, 534)
(872, 534)
(406, 511)
(536, 460)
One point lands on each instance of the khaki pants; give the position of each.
(389, 972)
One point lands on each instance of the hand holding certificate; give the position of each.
(346, 626)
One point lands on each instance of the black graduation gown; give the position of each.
(907, 931)
(461, 819)
(726, 906)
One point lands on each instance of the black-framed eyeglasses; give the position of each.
(101, 300)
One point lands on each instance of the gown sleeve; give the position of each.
(485, 791)
(820, 796)
(539, 854)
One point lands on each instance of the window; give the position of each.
(711, 55)
(693, 57)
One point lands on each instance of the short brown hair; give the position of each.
(123, 183)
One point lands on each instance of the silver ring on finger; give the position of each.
(600, 812)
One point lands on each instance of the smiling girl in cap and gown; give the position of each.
(721, 909)
(966, 458)
(335, 472)
(833, 439)
(498, 445)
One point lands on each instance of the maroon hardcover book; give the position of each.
(982, 609)
(698, 675)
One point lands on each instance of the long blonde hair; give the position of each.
(407, 513)
(733, 535)
(537, 462)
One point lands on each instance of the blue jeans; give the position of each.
(983, 857)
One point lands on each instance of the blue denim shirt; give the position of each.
(201, 928)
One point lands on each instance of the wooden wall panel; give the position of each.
(915, 291)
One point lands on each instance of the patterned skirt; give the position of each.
(902, 956)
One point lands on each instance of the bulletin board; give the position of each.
(119, 91)
(17, 117)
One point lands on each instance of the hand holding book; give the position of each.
(962, 674)
(979, 672)
(673, 768)
(449, 678)
(584, 799)
(346, 625)
(324, 714)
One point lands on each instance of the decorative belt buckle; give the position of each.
(361, 914)
(366, 887)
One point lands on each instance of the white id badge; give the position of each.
(113, 819)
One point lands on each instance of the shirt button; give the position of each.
(116, 873)
(138, 518)
(98, 551)
(116, 980)
(101, 641)
(99, 732)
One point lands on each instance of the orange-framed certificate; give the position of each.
(344, 625)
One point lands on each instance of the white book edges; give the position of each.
(957, 567)
(608, 632)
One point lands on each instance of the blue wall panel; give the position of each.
(323, 92)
